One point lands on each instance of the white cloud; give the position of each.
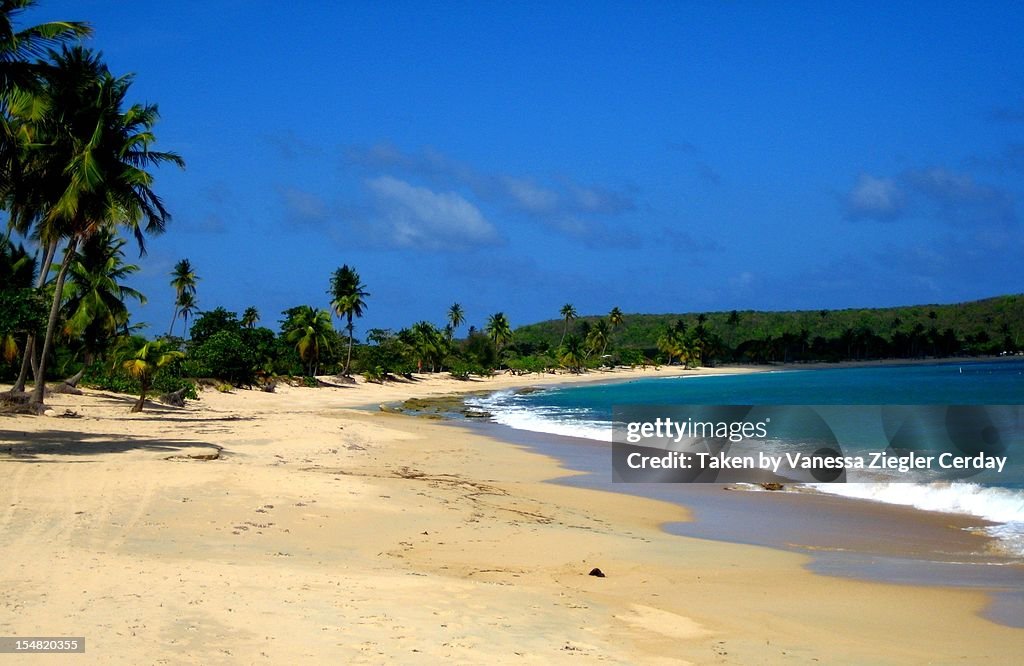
(872, 197)
(527, 195)
(419, 217)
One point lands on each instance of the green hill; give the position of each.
(984, 327)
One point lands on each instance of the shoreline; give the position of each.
(840, 537)
(323, 531)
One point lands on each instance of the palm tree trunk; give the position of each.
(28, 360)
(58, 289)
(77, 377)
(173, 319)
(142, 397)
(348, 359)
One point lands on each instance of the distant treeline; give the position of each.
(986, 327)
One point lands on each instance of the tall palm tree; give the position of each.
(347, 299)
(94, 294)
(250, 317)
(22, 104)
(186, 305)
(20, 50)
(568, 313)
(616, 318)
(456, 317)
(310, 330)
(499, 331)
(87, 167)
(143, 359)
(597, 338)
(21, 66)
(184, 280)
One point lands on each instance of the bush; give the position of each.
(225, 356)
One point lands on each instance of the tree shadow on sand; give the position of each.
(42, 446)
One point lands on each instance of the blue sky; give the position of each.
(658, 157)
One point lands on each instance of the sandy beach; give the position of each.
(302, 527)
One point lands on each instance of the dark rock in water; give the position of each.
(470, 414)
(772, 486)
(596, 572)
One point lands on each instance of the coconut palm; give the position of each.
(597, 338)
(94, 296)
(456, 317)
(428, 344)
(572, 354)
(143, 359)
(499, 331)
(310, 330)
(186, 305)
(673, 343)
(183, 279)
(88, 168)
(250, 317)
(347, 299)
(568, 313)
(20, 50)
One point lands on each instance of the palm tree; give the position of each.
(500, 332)
(456, 317)
(87, 168)
(21, 49)
(673, 343)
(94, 296)
(616, 318)
(310, 330)
(572, 354)
(183, 279)
(20, 69)
(598, 336)
(143, 359)
(250, 317)
(568, 313)
(186, 305)
(428, 344)
(22, 103)
(347, 293)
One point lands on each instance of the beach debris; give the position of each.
(65, 388)
(596, 573)
(773, 486)
(174, 398)
(196, 456)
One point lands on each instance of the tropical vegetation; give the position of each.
(77, 181)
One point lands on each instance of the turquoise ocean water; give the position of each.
(586, 412)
